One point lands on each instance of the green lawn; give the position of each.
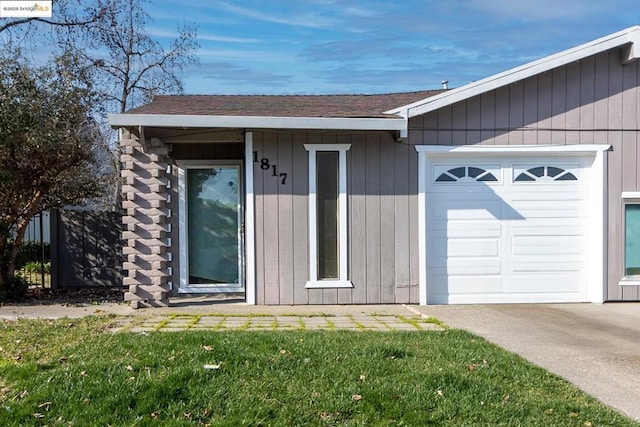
(75, 373)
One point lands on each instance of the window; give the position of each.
(631, 234)
(632, 239)
(466, 174)
(545, 173)
(328, 216)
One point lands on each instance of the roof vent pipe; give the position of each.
(445, 84)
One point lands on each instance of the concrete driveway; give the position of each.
(594, 346)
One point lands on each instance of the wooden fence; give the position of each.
(86, 249)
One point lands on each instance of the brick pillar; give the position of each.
(146, 236)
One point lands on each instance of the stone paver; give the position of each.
(360, 322)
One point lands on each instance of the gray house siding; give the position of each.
(382, 221)
(592, 101)
(382, 216)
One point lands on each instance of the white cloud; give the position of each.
(298, 18)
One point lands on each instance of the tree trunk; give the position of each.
(13, 254)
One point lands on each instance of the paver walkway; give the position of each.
(225, 322)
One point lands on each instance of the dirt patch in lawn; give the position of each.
(71, 296)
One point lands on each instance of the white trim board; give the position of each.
(628, 37)
(257, 122)
(596, 193)
(249, 223)
(512, 149)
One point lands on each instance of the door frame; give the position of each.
(184, 287)
(596, 192)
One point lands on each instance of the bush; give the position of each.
(31, 250)
(15, 289)
(36, 267)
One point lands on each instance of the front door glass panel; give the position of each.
(213, 220)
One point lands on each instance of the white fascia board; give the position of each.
(256, 122)
(513, 149)
(629, 36)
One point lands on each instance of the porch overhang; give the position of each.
(398, 124)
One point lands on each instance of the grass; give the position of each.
(73, 373)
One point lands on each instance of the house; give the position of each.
(521, 187)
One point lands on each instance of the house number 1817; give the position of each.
(265, 165)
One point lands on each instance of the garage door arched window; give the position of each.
(545, 173)
(466, 173)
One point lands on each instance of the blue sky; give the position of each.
(371, 46)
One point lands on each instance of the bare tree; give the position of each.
(135, 65)
(113, 35)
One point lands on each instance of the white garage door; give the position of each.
(506, 229)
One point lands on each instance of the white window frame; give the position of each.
(628, 198)
(342, 281)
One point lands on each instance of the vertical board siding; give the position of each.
(387, 222)
(372, 218)
(345, 295)
(356, 170)
(501, 116)
(516, 113)
(381, 247)
(401, 223)
(284, 163)
(591, 101)
(572, 114)
(300, 187)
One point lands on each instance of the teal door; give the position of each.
(214, 229)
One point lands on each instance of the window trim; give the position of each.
(628, 198)
(342, 281)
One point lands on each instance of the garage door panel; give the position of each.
(443, 267)
(453, 248)
(541, 227)
(550, 213)
(474, 267)
(463, 210)
(547, 265)
(544, 245)
(466, 229)
(562, 202)
(542, 193)
(506, 298)
(543, 283)
(474, 284)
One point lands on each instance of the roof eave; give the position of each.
(256, 122)
(630, 37)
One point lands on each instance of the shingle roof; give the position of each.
(282, 105)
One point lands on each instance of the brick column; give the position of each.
(146, 236)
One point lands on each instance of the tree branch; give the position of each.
(47, 21)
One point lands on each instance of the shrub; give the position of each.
(36, 267)
(31, 250)
(15, 288)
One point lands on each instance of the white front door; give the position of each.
(211, 225)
